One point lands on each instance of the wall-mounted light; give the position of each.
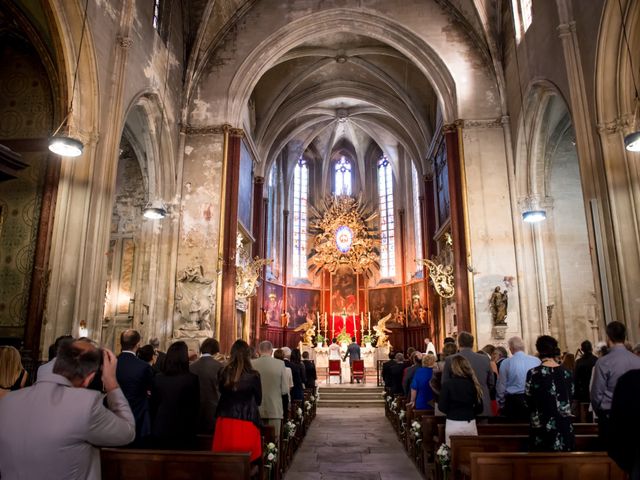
(62, 142)
(532, 209)
(534, 216)
(155, 210)
(632, 140)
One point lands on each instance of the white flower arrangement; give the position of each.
(312, 398)
(444, 456)
(401, 414)
(270, 454)
(289, 430)
(307, 406)
(299, 412)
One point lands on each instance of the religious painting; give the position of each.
(344, 292)
(416, 304)
(303, 305)
(245, 187)
(386, 301)
(442, 184)
(273, 304)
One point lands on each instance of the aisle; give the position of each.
(351, 444)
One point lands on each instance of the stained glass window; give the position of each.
(417, 217)
(343, 177)
(300, 194)
(387, 224)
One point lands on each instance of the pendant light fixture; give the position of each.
(62, 142)
(632, 140)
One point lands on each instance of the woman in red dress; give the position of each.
(238, 418)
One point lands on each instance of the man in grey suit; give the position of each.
(207, 368)
(353, 352)
(274, 382)
(481, 366)
(52, 429)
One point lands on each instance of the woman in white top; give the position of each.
(334, 354)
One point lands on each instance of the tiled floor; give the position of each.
(351, 444)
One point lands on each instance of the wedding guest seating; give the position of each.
(549, 466)
(334, 369)
(129, 464)
(357, 370)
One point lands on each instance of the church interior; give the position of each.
(445, 125)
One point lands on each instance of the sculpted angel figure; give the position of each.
(382, 330)
(309, 329)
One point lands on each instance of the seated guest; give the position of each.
(461, 399)
(148, 354)
(47, 368)
(409, 372)
(310, 371)
(238, 423)
(584, 368)
(549, 392)
(623, 445)
(298, 375)
(395, 374)
(52, 429)
(13, 376)
(386, 369)
(175, 401)
(134, 377)
(207, 369)
(421, 393)
(511, 382)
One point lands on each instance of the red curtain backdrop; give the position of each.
(339, 322)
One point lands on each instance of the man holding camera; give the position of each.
(52, 429)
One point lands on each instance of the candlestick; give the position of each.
(333, 326)
(369, 314)
(355, 329)
(318, 317)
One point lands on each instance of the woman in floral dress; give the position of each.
(549, 391)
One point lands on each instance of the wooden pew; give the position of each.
(462, 446)
(130, 464)
(523, 429)
(547, 466)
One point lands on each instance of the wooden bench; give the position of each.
(523, 429)
(130, 464)
(547, 466)
(462, 446)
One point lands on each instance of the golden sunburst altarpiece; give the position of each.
(360, 249)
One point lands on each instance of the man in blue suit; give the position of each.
(134, 377)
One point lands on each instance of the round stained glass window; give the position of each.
(344, 238)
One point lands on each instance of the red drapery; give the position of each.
(338, 321)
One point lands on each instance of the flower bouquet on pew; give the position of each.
(289, 430)
(444, 459)
(270, 457)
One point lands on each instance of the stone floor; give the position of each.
(351, 444)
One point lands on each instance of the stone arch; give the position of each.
(558, 270)
(616, 115)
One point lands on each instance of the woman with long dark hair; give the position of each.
(238, 418)
(175, 400)
(549, 392)
(299, 375)
(461, 399)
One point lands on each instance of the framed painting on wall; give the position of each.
(302, 305)
(273, 304)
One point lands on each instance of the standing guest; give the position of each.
(353, 352)
(421, 393)
(436, 380)
(512, 380)
(310, 371)
(461, 399)
(298, 374)
(499, 355)
(286, 397)
(159, 366)
(623, 445)
(273, 381)
(13, 376)
(409, 372)
(386, 369)
(569, 362)
(481, 366)
(583, 370)
(148, 354)
(53, 429)
(238, 423)
(430, 347)
(549, 392)
(606, 372)
(395, 374)
(47, 368)
(175, 400)
(207, 369)
(488, 350)
(135, 377)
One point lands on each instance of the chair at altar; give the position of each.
(357, 370)
(334, 369)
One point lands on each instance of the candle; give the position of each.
(355, 329)
(333, 325)
(318, 317)
(369, 314)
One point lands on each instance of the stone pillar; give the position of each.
(429, 248)
(458, 233)
(259, 234)
(227, 318)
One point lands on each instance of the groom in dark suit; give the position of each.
(207, 369)
(353, 352)
(134, 377)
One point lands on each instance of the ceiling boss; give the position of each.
(343, 235)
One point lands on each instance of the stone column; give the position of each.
(458, 234)
(429, 248)
(259, 234)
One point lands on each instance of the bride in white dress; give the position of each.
(334, 354)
